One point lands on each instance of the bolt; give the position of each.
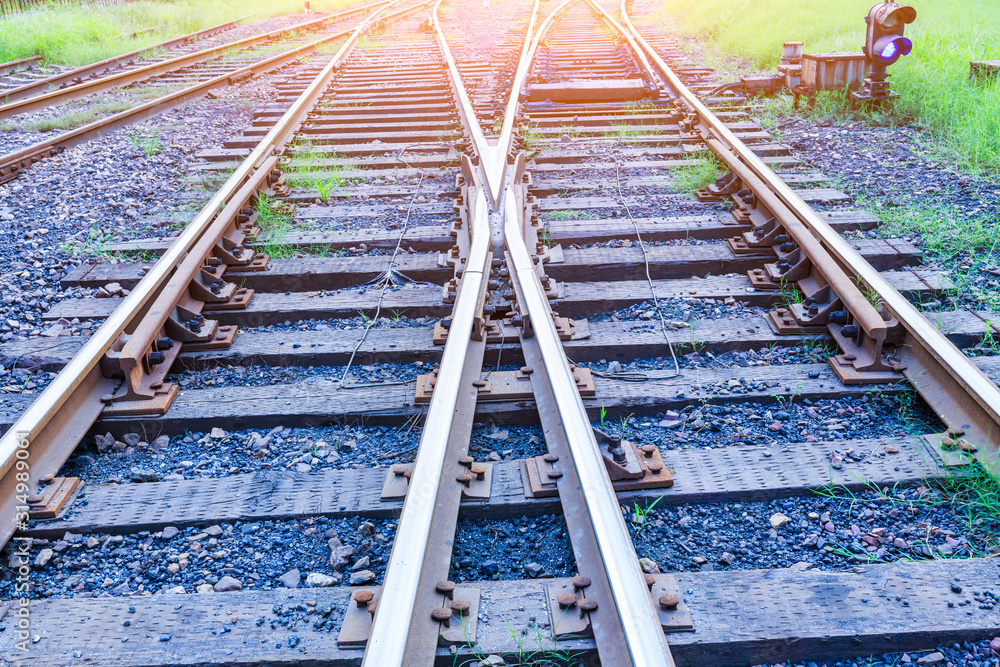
(849, 330)
(156, 358)
(363, 598)
(164, 343)
(587, 605)
(400, 471)
(618, 454)
(371, 608)
(654, 467)
(466, 461)
(446, 323)
(554, 474)
(479, 472)
(669, 601)
(461, 606)
(464, 479)
(580, 582)
(446, 588)
(648, 451)
(566, 600)
(550, 458)
(517, 320)
(650, 581)
(442, 615)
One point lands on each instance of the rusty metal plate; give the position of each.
(53, 500)
(357, 624)
(760, 280)
(461, 628)
(844, 369)
(223, 338)
(677, 619)
(397, 482)
(259, 262)
(241, 299)
(158, 405)
(655, 474)
(567, 620)
(783, 322)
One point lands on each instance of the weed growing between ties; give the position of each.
(314, 169)
(705, 170)
(274, 222)
(933, 81)
(535, 648)
(967, 493)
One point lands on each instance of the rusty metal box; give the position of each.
(834, 71)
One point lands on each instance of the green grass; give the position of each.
(962, 244)
(970, 493)
(75, 34)
(694, 177)
(307, 171)
(933, 81)
(76, 119)
(274, 223)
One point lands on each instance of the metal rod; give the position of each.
(394, 613)
(644, 636)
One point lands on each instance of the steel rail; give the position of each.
(394, 615)
(156, 69)
(644, 637)
(496, 157)
(12, 163)
(637, 619)
(970, 401)
(398, 635)
(12, 65)
(45, 426)
(104, 67)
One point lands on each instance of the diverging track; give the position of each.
(546, 247)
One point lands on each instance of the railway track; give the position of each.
(143, 90)
(524, 235)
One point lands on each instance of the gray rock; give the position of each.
(935, 658)
(169, 532)
(228, 583)
(291, 578)
(361, 564)
(320, 580)
(143, 475)
(361, 577)
(534, 569)
(43, 557)
(340, 553)
(162, 442)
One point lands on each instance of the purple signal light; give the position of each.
(889, 51)
(891, 48)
